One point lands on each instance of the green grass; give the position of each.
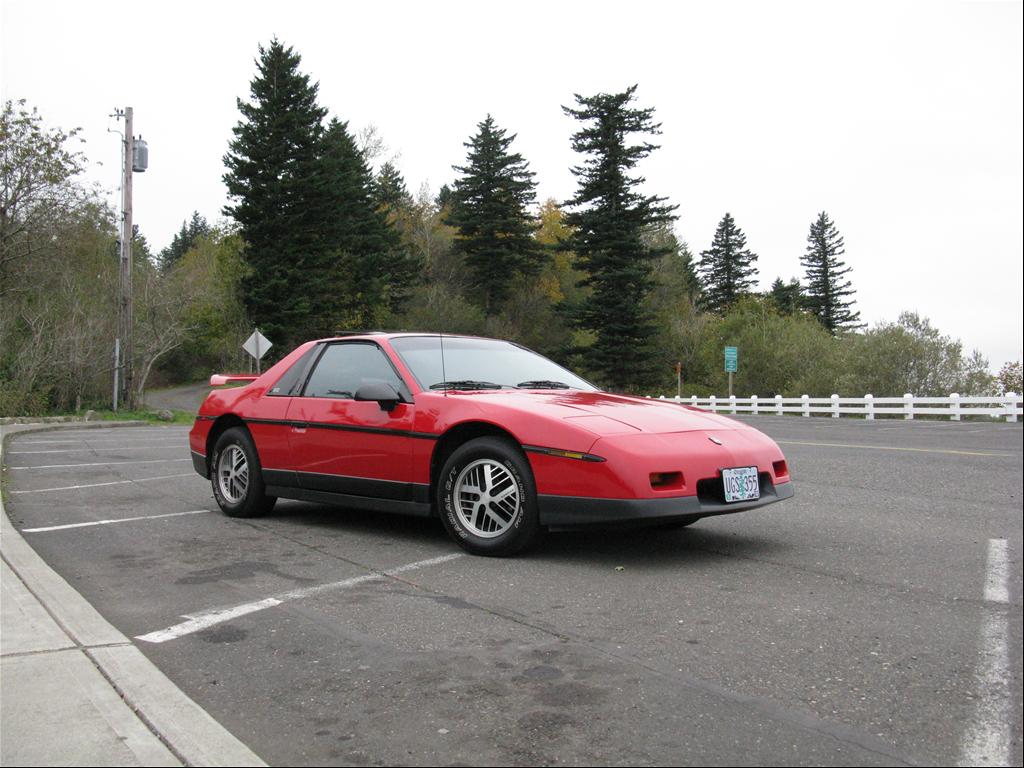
(180, 417)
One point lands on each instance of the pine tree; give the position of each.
(609, 221)
(826, 291)
(389, 190)
(362, 270)
(183, 241)
(726, 269)
(490, 205)
(274, 154)
(443, 199)
(787, 297)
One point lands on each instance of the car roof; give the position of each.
(349, 335)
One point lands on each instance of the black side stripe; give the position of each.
(346, 428)
(558, 452)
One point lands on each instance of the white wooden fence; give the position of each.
(955, 406)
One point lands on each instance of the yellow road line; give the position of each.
(895, 448)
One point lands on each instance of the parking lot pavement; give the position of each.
(873, 619)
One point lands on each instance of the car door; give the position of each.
(341, 445)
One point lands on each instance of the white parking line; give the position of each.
(97, 485)
(109, 522)
(987, 739)
(208, 619)
(102, 464)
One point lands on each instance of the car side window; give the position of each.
(291, 381)
(343, 368)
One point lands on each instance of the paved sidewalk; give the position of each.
(75, 691)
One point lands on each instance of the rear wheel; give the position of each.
(237, 477)
(487, 498)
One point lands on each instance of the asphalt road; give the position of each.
(875, 619)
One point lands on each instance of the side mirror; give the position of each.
(380, 391)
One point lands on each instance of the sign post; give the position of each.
(732, 359)
(257, 345)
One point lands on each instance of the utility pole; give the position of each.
(127, 303)
(124, 344)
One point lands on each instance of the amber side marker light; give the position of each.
(781, 470)
(665, 480)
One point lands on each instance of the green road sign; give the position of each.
(731, 360)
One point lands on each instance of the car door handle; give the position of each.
(299, 428)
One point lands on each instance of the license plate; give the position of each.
(741, 484)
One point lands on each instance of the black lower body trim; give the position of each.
(414, 508)
(199, 464)
(581, 511)
(357, 492)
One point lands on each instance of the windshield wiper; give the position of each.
(543, 384)
(465, 384)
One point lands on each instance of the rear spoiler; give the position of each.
(220, 379)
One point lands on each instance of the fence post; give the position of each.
(753, 404)
(778, 405)
(693, 400)
(909, 407)
(732, 404)
(1010, 404)
(835, 406)
(806, 405)
(714, 407)
(869, 407)
(955, 407)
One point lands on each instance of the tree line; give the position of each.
(321, 235)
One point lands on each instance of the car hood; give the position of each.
(606, 414)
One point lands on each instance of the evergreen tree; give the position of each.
(489, 210)
(444, 197)
(183, 241)
(787, 297)
(389, 190)
(609, 221)
(361, 268)
(826, 293)
(726, 269)
(270, 162)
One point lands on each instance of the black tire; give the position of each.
(234, 499)
(508, 521)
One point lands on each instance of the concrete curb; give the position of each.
(185, 727)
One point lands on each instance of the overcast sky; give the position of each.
(902, 120)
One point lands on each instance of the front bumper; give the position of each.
(580, 511)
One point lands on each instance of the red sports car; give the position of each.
(497, 441)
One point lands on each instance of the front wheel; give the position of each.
(487, 498)
(237, 477)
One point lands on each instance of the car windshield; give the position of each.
(481, 364)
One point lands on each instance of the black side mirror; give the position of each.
(380, 391)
